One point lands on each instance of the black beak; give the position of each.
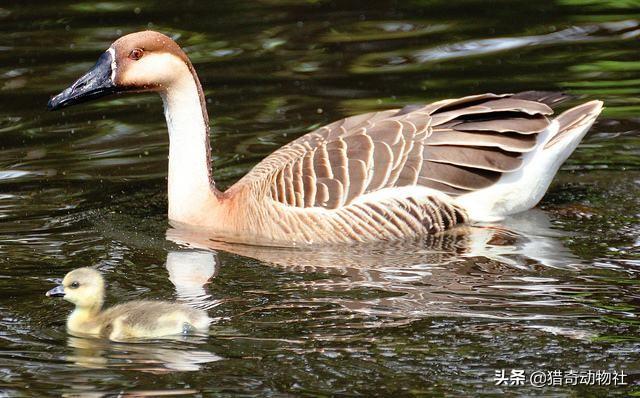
(57, 291)
(95, 83)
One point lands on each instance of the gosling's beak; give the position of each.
(57, 291)
(95, 83)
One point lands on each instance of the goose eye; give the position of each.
(136, 54)
(74, 285)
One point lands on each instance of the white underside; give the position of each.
(522, 189)
(413, 191)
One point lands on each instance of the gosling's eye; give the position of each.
(136, 54)
(74, 285)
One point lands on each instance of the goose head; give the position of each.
(83, 287)
(141, 61)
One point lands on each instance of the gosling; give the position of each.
(138, 319)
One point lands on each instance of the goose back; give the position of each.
(452, 146)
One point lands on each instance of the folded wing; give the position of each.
(453, 146)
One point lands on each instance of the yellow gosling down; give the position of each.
(139, 319)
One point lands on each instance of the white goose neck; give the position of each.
(190, 183)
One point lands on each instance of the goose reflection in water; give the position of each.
(501, 271)
(490, 271)
(190, 271)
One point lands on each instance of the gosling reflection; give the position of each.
(151, 357)
(490, 271)
(140, 319)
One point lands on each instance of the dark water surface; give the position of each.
(557, 288)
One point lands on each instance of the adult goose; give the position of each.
(383, 175)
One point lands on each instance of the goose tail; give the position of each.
(521, 190)
(573, 124)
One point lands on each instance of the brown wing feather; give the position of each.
(518, 125)
(494, 159)
(507, 141)
(453, 146)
